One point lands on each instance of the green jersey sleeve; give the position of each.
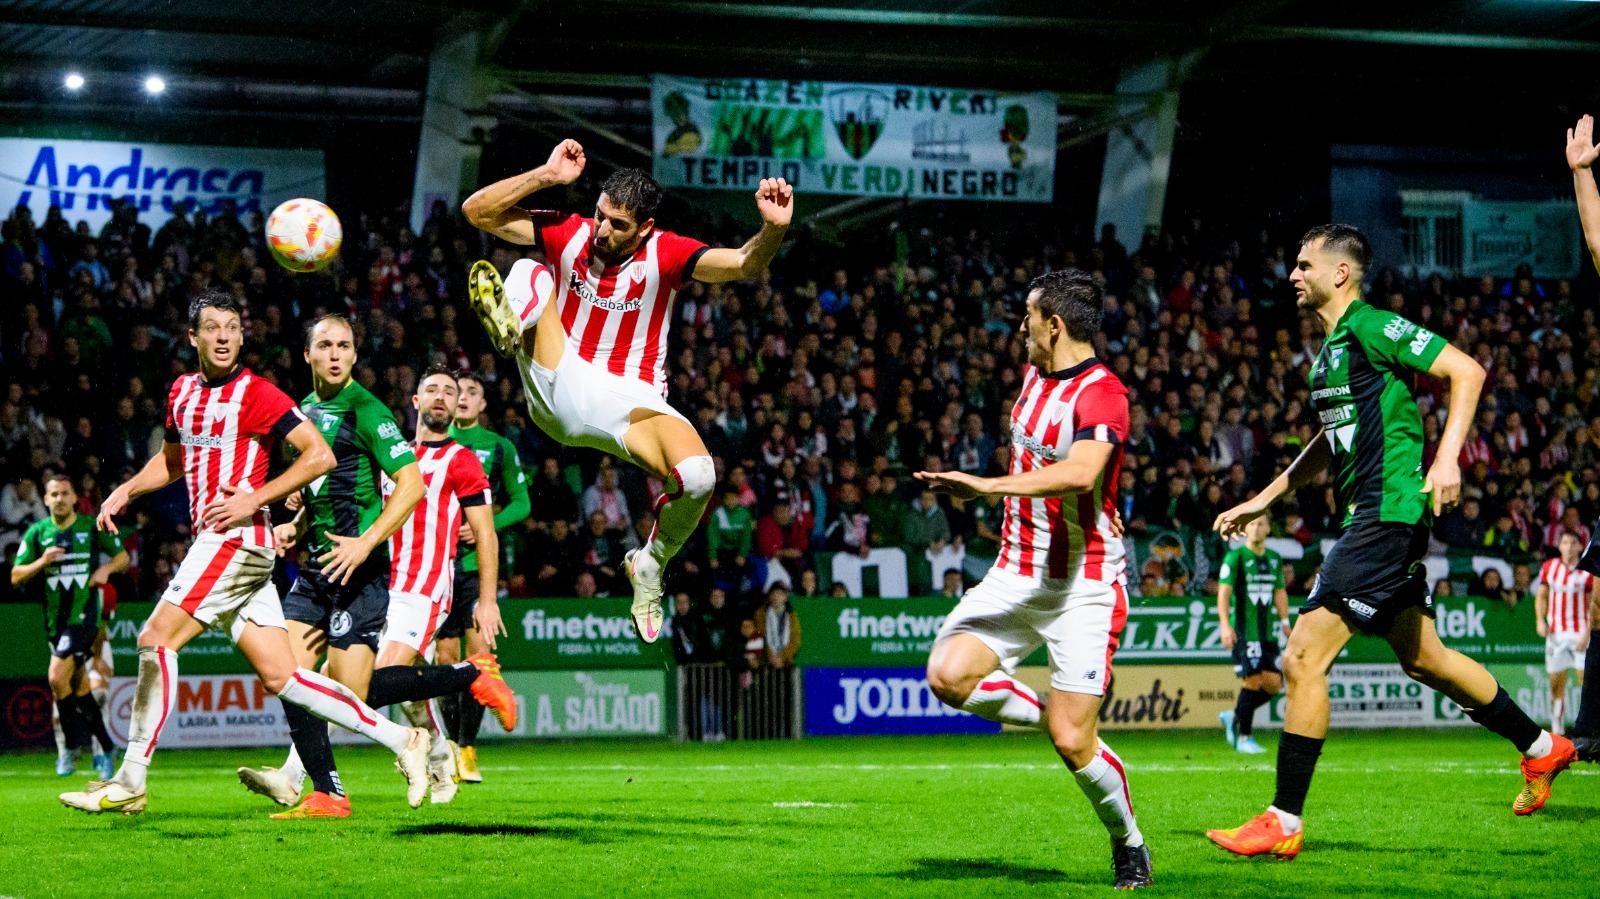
(29, 549)
(110, 543)
(514, 483)
(1396, 340)
(1231, 568)
(380, 435)
(1278, 583)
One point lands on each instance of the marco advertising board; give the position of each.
(215, 711)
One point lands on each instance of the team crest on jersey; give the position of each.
(80, 537)
(483, 455)
(1335, 357)
(220, 411)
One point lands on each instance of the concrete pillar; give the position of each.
(1133, 184)
(447, 158)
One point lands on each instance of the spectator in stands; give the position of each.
(926, 526)
(604, 497)
(1569, 522)
(848, 529)
(780, 628)
(783, 543)
(602, 555)
(953, 585)
(1491, 586)
(689, 639)
(1462, 527)
(20, 506)
(555, 551)
(551, 494)
(729, 533)
(886, 511)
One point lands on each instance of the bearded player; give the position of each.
(1059, 576)
(1372, 580)
(594, 365)
(222, 426)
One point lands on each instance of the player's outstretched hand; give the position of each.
(567, 161)
(1444, 483)
(233, 508)
(775, 201)
(1581, 149)
(293, 501)
(114, 505)
(285, 535)
(486, 619)
(1117, 527)
(339, 563)
(465, 536)
(1227, 636)
(1230, 524)
(958, 484)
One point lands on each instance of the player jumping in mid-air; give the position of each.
(1060, 574)
(341, 601)
(1249, 584)
(462, 714)
(1565, 602)
(75, 560)
(1372, 580)
(222, 424)
(594, 367)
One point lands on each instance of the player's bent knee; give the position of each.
(697, 475)
(1076, 746)
(951, 685)
(1425, 668)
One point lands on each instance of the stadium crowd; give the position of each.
(818, 388)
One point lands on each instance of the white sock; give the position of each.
(1541, 747)
(102, 698)
(1557, 715)
(332, 701)
(680, 507)
(529, 287)
(154, 698)
(293, 769)
(61, 735)
(1291, 823)
(1106, 784)
(1000, 697)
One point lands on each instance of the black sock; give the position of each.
(471, 719)
(408, 683)
(71, 722)
(1588, 723)
(450, 710)
(1297, 761)
(1503, 716)
(94, 723)
(310, 736)
(1244, 711)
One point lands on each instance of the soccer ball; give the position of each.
(304, 235)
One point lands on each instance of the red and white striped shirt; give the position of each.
(618, 316)
(1065, 537)
(1568, 609)
(227, 428)
(421, 553)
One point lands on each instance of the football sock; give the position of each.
(332, 701)
(999, 697)
(448, 712)
(407, 683)
(1540, 747)
(680, 507)
(1503, 716)
(71, 721)
(1105, 782)
(1588, 722)
(94, 724)
(313, 751)
(154, 697)
(1558, 711)
(1290, 823)
(55, 725)
(529, 287)
(1244, 711)
(1297, 761)
(471, 720)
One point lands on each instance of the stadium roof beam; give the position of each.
(169, 24)
(1415, 38)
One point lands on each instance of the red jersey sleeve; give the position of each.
(467, 479)
(1101, 412)
(1544, 573)
(678, 257)
(553, 230)
(173, 435)
(268, 411)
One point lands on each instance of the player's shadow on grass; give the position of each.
(575, 834)
(1367, 848)
(978, 869)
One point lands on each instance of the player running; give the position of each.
(1372, 580)
(1254, 575)
(594, 368)
(222, 425)
(1059, 577)
(76, 561)
(462, 714)
(1565, 604)
(341, 601)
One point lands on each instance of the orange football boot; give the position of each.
(318, 805)
(1261, 835)
(492, 692)
(1540, 773)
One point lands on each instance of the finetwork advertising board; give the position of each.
(831, 137)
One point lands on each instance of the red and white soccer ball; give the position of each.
(304, 235)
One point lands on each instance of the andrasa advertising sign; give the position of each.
(83, 177)
(830, 137)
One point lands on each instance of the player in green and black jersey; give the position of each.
(462, 714)
(1249, 586)
(1372, 580)
(75, 561)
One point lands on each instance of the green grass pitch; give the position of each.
(1391, 813)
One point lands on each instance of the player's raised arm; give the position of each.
(1305, 467)
(494, 208)
(162, 469)
(1079, 472)
(1466, 379)
(1581, 154)
(775, 202)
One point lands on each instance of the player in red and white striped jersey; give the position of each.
(221, 426)
(1058, 580)
(589, 332)
(1565, 602)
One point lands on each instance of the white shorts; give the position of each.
(414, 620)
(582, 404)
(1079, 623)
(1561, 653)
(224, 582)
